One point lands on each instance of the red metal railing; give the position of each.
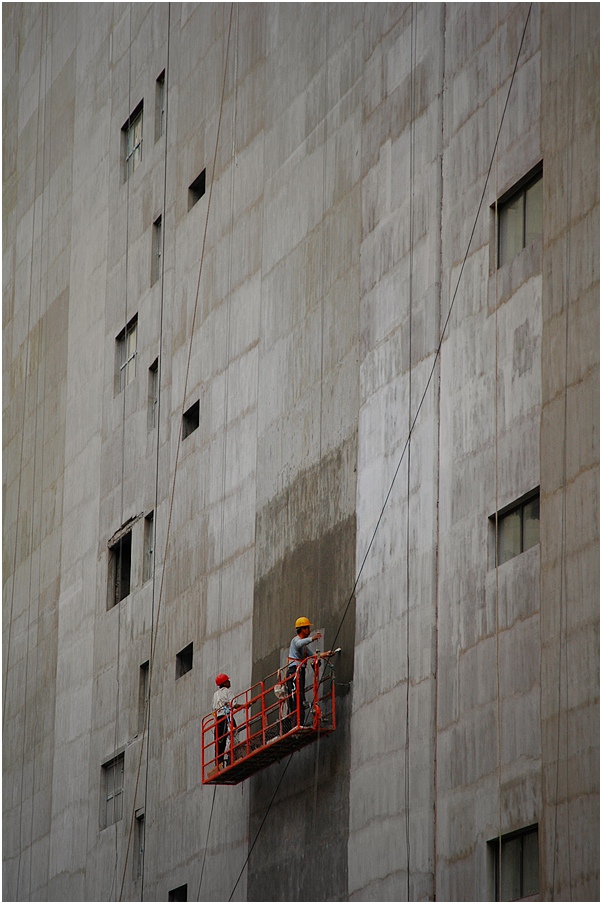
(270, 720)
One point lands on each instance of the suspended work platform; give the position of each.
(274, 718)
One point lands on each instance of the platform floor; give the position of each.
(276, 748)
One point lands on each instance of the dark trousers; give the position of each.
(295, 686)
(221, 736)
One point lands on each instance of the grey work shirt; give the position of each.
(299, 650)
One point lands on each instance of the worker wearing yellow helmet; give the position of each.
(298, 653)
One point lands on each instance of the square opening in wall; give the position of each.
(184, 661)
(178, 894)
(190, 420)
(196, 190)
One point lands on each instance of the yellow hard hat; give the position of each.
(303, 622)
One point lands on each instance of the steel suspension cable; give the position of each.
(563, 614)
(442, 337)
(438, 484)
(226, 393)
(147, 689)
(408, 484)
(498, 877)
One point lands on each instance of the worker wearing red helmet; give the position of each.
(298, 653)
(222, 709)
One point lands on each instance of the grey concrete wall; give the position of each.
(570, 456)
(392, 764)
(354, 150)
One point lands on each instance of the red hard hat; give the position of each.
(221, 679)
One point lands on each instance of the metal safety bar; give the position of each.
(268, 721)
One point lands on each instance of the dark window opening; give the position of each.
(126, 349)
(184, 661)
(131, 139)
(178, 894)
(149, 547)
(120, 567)
(518, 876)
(520, 218)
(196, 190)
(111, 804)
(143, 695)
(157, 250)
(517, 527)
(190, 420)
(160, 106)
(153, 395)
(139, 847)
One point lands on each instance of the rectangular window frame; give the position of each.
(153, 395)
(157, 250)
(139, 842)
(126, 351)
(112, 789)
(519, 507)
(516, 195)
(119, 584)
(132, 137)
(497, 845)
(160, 105)
(143, 689)
(149, 547)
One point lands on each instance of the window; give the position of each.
(190, 420)
(111, 803)
(125, 359)
(153, 394)
(131, 133)
(157, 251)
(149, 543)
(120, 566)
(517, 527)
(518, 877)
(139, 845)
(184, 661)
(178, 894)
(196, 190)
(520, 218)
(142, 695)
(160, 106)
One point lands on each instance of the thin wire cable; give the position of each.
(226, 400)
(147, 701)
(496, 490)
(438, 350)
(437, 521)
(409, 482)
(321, 414)
(265, 816)
(183, 408)
(563, 614)
(428, 382)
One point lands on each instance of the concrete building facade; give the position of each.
(301, 317)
